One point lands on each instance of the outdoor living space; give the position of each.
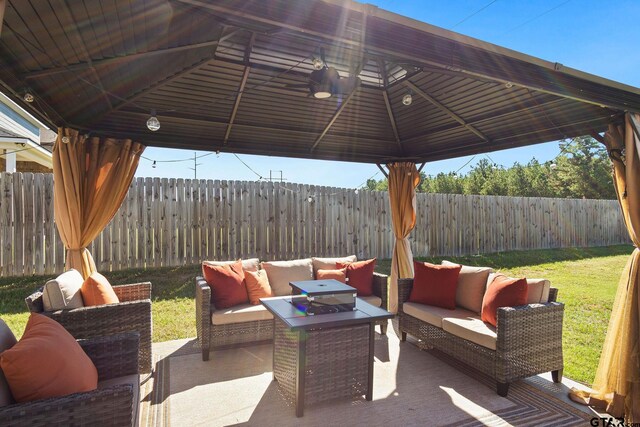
(134, 295)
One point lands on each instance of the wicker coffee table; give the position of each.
(325, 356)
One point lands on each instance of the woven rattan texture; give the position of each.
(132, 314)
(217, 336)
(337, 361)
(113, 356)
(529, 339)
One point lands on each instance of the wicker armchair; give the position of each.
(215, 336)
(529, 340)
(132, 314)
(114, 356)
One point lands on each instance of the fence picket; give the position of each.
(172, 222)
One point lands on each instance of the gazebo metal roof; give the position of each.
(231, 76)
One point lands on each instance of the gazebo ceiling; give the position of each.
(232, 76)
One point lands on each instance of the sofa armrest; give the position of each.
(113, 355)
(133, 292)
(404, 291)
(204, 307)
(553, 294)
(107, 406)
(381, 288)
(109, 319)
(530, 328)
(125, 293)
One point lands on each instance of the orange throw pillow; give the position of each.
(227, 284)
(258, 286)
(503, 291)
(47, 362)
(360, 275)
(435, 284)
(339, 275)
(96, 290)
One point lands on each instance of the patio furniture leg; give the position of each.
(403, 336)
(503, 389)
(300, 377)
(557, 376)
(372, 338)
(205, 354)
(383, 328)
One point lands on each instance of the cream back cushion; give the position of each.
(280, 273)
(251, 264)
(63, 292)
(472, 282)
(329, 263)
(538, 291)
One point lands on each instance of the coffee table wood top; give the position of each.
(285, 310)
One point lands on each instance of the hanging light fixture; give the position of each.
(154, 164)
(321, 82)
(65, 139)
(407, 99)
(28, 97)
(318, 63)
(153, 124)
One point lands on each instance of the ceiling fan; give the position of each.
(325, 81)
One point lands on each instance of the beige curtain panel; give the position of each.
(616, 388)
(403, 180)
(91, 178)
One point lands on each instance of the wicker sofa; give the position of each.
(247, 323)
(526, 341)
(132, 314)
(115, 402)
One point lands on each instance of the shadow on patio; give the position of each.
(411, 387)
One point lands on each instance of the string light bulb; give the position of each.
(65, 139)
(553, 166)
(407, 99)
(28, 97)
(153, 124)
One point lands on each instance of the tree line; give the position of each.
(582, 170)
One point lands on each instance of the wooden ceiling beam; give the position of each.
(573, 93)
(195, 122)
(387, 103)
(243, 82)
(525, 110)
(133, 98)
(333, 120)
(3, 7)
(442, 107)
(86, 65)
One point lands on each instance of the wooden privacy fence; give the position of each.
(168, 222)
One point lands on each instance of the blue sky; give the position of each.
(595, 36)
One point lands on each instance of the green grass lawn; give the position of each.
(587, 280)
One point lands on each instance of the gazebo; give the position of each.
(332, 80)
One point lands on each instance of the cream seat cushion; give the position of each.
(472, 329)
(240, 313)
(330, 263)
(251, 264)
(63, 292)
(538, 291)
(373, 300)
(472, 283)
(434, 315)
(280, 273)
(134, 380)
